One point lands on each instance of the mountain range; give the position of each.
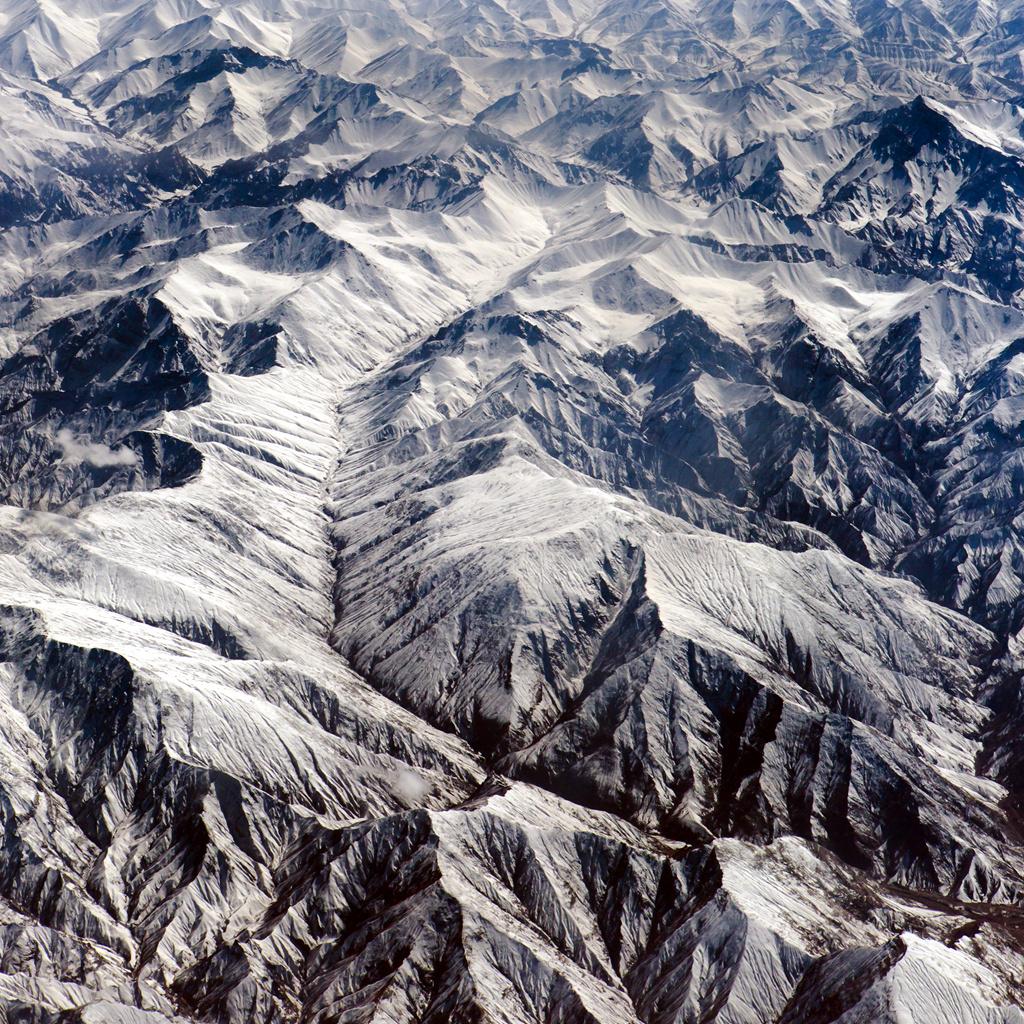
(512, 511)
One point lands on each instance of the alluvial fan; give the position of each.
(512, 511)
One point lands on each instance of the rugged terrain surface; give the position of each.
(512, 511)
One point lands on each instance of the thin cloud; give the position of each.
(93, 453)
(38, 523)
(411, 787)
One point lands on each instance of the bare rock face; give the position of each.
(511, 512)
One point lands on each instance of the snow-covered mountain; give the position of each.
(512, 511)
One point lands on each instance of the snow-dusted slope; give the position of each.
(511, 512)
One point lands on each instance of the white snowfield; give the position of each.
(511, 512)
